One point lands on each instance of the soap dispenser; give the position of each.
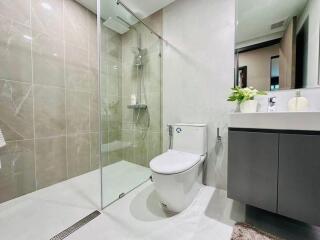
(298, 103)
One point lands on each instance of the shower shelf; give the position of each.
(138, 106)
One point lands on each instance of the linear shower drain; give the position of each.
(76, 226)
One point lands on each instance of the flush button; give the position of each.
(178, 130)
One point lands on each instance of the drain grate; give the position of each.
(76, 226)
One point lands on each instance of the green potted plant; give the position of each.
(246, 98)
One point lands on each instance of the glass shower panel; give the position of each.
(130, 85)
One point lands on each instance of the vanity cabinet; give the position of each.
(276, 170)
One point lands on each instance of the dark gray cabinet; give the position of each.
(276, 170)
(299, 177)
(253, 168)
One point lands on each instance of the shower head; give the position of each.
(116, 25)
(133, 28)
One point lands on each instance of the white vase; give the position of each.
(249, 106)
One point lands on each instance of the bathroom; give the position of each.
(129, 119)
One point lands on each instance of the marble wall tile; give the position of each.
(154, 147)
(49, 111)
(154, 110)
(110, 113)
(48, 60)
(78, 112)
(77, 69)
(17, 173)
(78, 154)
(94, 113)
(113, 157)
(152, 73)
(15, 51)
(94, 151)
(47, 17)
(111, 83)
(57, 46)
(18, 10)
(16, 108)
(93, 44)
(109, 139)
(141, 123)
(128, 136)
(140, 148)
(142, 119)
(76, 24)
(50, 161)
(128, 119)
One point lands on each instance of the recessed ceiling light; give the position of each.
(46, 6)
(27, 37)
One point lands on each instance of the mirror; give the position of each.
(277, 44)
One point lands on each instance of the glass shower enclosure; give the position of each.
(130, 97)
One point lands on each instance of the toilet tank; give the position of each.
(190, 138)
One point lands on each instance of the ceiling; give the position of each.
(142, 8)
(255, 17)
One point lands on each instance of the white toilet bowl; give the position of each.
(177, 173)
(177, 181)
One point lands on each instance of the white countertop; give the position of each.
(309, 121)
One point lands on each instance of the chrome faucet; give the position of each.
(272, 104)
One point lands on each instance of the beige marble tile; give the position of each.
(154, 109)
(152, 73)
(94, 152)
(17, 172)
(111, 155)
(111, 44)
(76, 24)
(47, 17)
(93, 44)
(16, 109)
(49, 111)
(78, 154)
(140, 147)
(77, 69)
(15, 51)
(94, 113)
(48, 60)
(128, 136)
(128, 119)
(50, 161)
(111, 84)
(111, 113)
(78, 112)
(154, 147)
(17, 10)
(142, 119)
(93, 79)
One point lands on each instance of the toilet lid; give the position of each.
(174, 162)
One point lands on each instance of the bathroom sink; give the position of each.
(276, 120)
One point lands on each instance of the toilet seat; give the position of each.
(173, 162)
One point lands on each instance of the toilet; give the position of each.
(177, 173)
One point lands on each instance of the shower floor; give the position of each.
(44, 213)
